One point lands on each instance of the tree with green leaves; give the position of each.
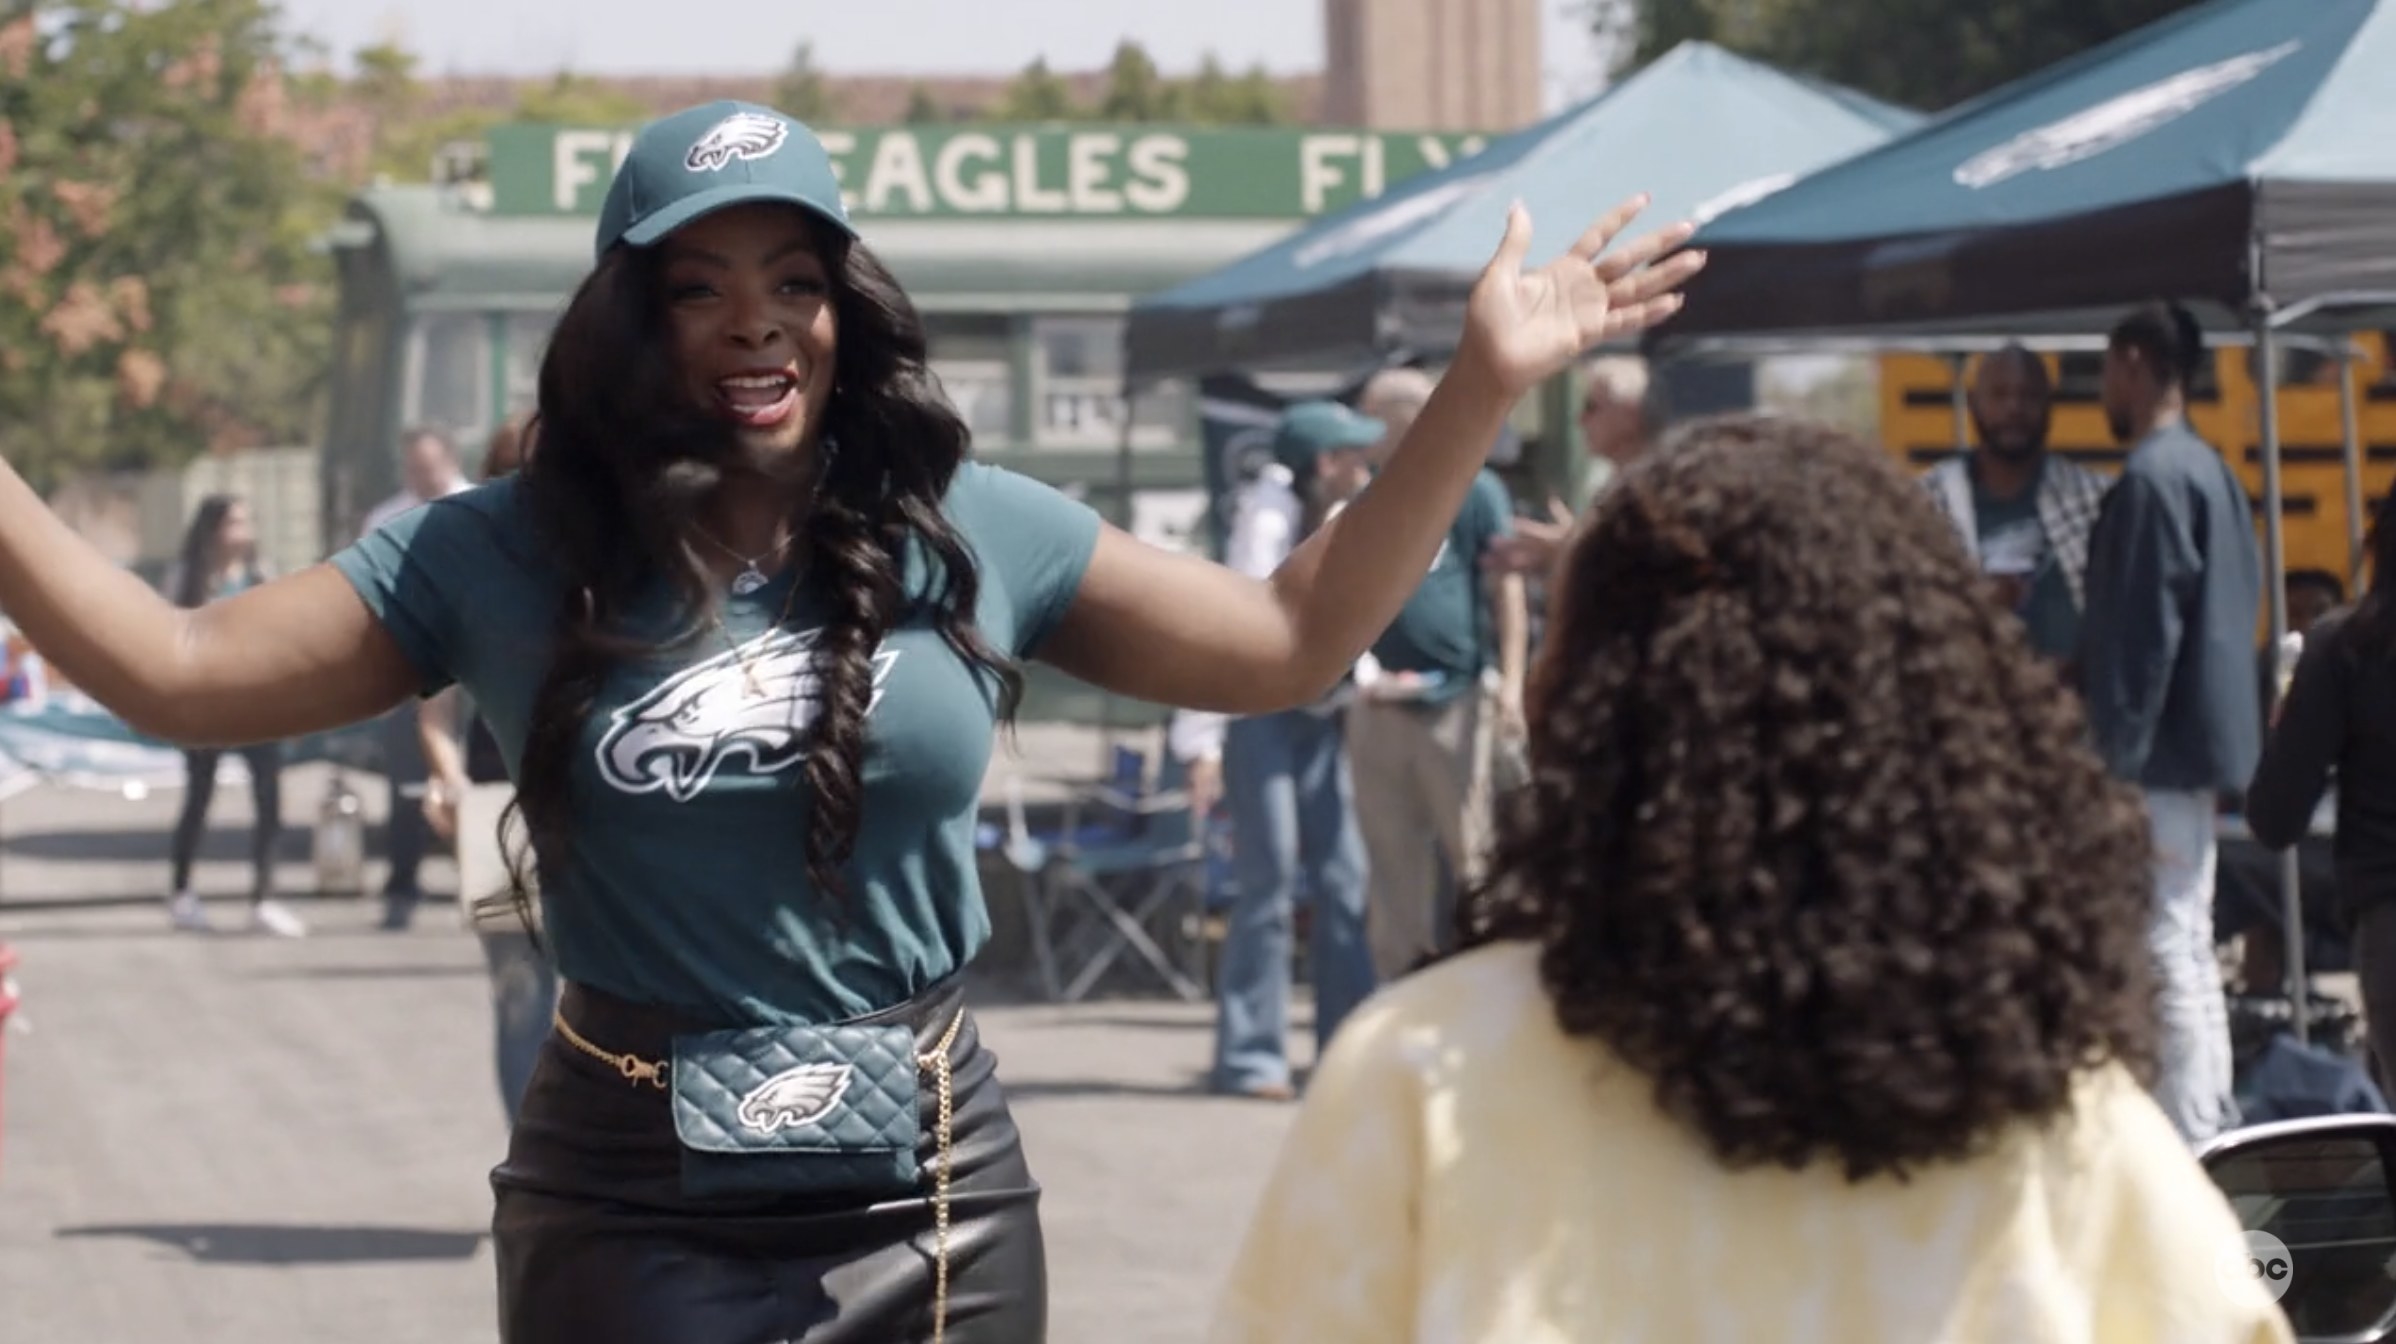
(1136, 91)
(159, 294)
(1213, 97)
(802, 91)
(569, 99)
(1256, 100)
(407, 141)
(922, 108)
(1038, 94)
(1928, 54)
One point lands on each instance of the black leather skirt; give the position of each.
(598, 1244)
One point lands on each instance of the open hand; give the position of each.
(1522, 327)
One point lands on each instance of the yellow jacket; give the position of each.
(1464, 1173)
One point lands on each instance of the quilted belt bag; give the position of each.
(778, 1110)
(830, 1110)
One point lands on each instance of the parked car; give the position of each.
(2318, 1200)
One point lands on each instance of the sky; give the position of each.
(867, 36)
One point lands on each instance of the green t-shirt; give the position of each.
(2014, 544)
(1447, 627)
(687, 884)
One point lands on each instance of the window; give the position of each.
(1077, 382)
(2080, 377)
(971, 359)
(527, 342)
(449, 362)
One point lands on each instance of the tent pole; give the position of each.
(2350, 427)
(1123, 519)
(2275, 560)
(1963, 403)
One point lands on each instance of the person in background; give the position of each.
(220, 559)
(2310, 594)
(2338, 728)
(1444, 684)
(28, 683)
(1293, 820)
(1623, 410)
(428, 470)
(466, 794)
(1808, 998)
(2175, 589)
(2023, 513)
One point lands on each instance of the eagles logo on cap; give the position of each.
(743, 135)
(702, 159)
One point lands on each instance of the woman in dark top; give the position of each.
(219, 560)
(2339, 722)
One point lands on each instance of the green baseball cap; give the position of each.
(704, 158)
(1309, 429)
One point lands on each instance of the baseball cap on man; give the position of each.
(719, 154)
(1309, 429)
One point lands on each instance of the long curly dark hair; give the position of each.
(624, 466)
(1812, 838)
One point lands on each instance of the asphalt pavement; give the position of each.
(239, 1139)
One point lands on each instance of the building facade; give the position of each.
(1432, 64)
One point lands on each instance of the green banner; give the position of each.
(1079, 172)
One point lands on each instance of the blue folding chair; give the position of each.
(1123, 874)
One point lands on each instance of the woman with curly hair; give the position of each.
(1808, 996)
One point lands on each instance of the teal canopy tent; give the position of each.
(1700, 129)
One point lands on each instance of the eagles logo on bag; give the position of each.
(794, 1097)
(743, 135)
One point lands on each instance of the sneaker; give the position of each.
(188, 915)
(272, 916)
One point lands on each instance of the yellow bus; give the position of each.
(1917, 424)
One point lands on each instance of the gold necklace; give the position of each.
(748, 670)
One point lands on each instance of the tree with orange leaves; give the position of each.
(158, 295)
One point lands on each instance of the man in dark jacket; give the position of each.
(2167, 669)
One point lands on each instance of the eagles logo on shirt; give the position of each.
(751, 710)
(743, 135)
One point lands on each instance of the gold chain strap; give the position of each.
(633, 1067)
(653, 1072)
(937, 1059)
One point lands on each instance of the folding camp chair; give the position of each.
(1124, 874)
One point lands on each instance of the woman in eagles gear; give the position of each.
(743, 629)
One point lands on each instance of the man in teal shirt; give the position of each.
(1439, 687)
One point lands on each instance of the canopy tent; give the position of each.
(2240, 155)
(1699, 129)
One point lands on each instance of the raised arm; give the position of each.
(1179, 630)
(292, 656)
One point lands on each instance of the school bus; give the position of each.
(1917, 424)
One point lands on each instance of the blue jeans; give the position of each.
(1293, 825)
(523, 995)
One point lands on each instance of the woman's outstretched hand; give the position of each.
(1523, 326)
